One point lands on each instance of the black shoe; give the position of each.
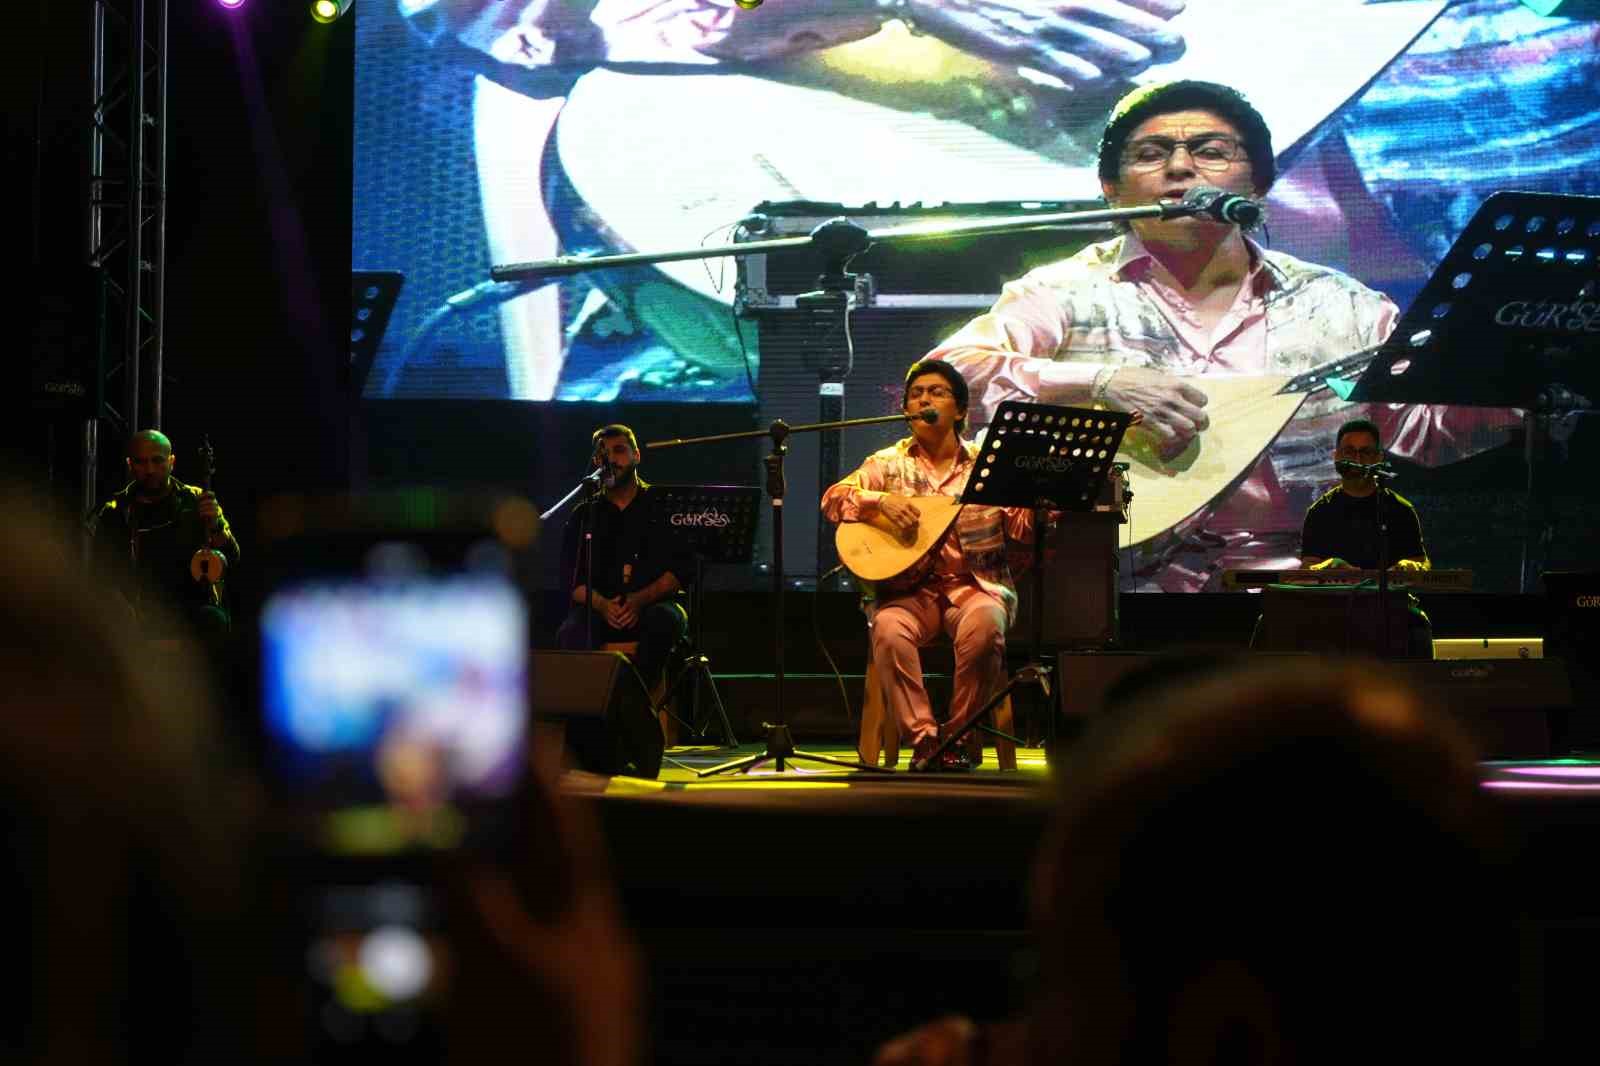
(958, 756)
(974, 745)
(922, 754)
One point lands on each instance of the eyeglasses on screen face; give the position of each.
(1209, 152)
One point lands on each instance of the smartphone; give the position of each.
(394, 706)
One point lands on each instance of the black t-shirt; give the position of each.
(1346, 526)
(622, 539)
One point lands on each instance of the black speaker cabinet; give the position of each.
(1333, 620)
(1080, 586)
(600, 699)
(1516, 708)
(1572, 628)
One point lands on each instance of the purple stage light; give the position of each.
(231, 4)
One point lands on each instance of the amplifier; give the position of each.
(1489, 648)
(1516, 708)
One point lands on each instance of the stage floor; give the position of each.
(807, 916)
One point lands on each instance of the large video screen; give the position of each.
(496, 132)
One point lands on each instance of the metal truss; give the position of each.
(127, 215)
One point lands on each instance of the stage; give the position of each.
(807, 916)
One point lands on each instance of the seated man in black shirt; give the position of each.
(631, 581)
(1342, 531)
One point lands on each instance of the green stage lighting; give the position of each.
(329, 10)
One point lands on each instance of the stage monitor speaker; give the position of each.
(1091, 682)
(1516, 708)
(604, 707)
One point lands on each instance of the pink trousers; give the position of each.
(975, 622)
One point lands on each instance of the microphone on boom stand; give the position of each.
(1379, 471)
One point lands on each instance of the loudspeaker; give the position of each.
(1516, 708)
(1080, 585)
(1572, 632)
(1084, 678)
(601, 701)
(1332, 621)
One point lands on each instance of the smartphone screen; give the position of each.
(395, 713)
(396, 708)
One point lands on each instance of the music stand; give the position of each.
(1515, 301)
(372, 297)
(1048, 458)
(715, 524)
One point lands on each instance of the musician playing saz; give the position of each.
(962, 586)
(1152, 320)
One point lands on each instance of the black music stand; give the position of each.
(372, 297)
(1049, 458)
(715, 524)
(1508, 319)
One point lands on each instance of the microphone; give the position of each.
(1379, 469)
(929, 416)
(1212, 202)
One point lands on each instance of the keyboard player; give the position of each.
(1341, 530)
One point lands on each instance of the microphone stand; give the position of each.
(780, 745)
(833, 237)
(1379, 472)
(586, 545)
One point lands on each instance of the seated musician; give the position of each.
(1341, 530)
(962, 586)
(636, 595)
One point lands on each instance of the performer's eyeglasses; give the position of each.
(1361, 453)
(1212, 152)
(938, 392)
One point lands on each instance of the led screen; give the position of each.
(495, 132)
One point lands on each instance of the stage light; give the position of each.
(748, 5)
(329, 10)
(231, 4)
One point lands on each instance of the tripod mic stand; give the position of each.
(779, 744)
(715, 524)
(1055, 459)
(697, 672)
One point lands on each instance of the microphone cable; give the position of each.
(816, 632)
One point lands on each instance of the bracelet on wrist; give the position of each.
(1102, 382)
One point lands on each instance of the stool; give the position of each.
(881, 733)
(658, 691)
